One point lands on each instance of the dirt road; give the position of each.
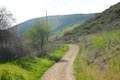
(63, 70)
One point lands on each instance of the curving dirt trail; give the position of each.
(63, 70)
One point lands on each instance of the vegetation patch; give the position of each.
(30, 68)
(100, 59)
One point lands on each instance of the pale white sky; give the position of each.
(27, 9)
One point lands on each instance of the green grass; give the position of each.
(100, 60)
(58, 54)
(13, 72)
(30, 68)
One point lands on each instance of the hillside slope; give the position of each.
(99, 38)
(99, 57)
(57, 23)
(106, 21)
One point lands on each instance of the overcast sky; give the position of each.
(27, 9)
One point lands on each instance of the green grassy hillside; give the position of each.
(108, 20)
(99, 57)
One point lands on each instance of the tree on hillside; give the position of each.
(38, 36)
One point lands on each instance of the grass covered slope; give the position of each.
(99, 57)
(108, 20)
(30, 68)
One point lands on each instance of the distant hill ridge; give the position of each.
(57, 23)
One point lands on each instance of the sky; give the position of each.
(27, 9)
